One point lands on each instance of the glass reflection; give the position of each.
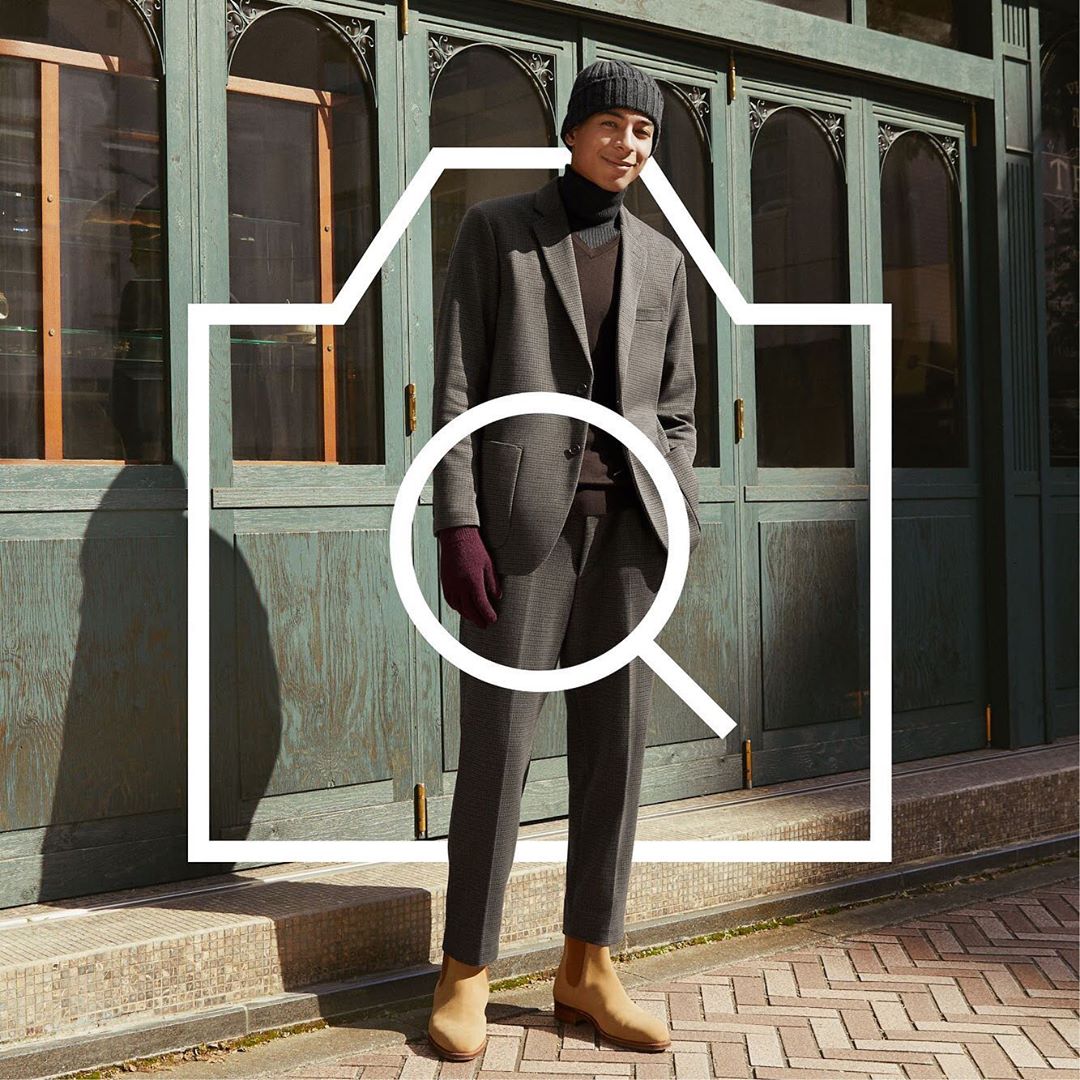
(279, 172)
(920, 278)
(683, 154)
(483, 97)
(111, 269)
(800, 249)
(936, 22)
(1060, 174)
(22, 421)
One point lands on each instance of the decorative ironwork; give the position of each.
(831, 124)
(149, 12)
(696, 99)
(540, 69)
(440, 49)
(538, 66)
(355, 34)
(948, 146)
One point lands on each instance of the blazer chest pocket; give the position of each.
(500, 463)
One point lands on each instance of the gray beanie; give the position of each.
(607, 84)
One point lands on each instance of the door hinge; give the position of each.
(420, 811)
(410, 408)
(747, 765)
(731, 77)
(974, 126)
(988, 725)
(403, 17)
(740, 426)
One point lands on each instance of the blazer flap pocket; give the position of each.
(651, 314)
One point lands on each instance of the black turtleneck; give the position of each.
(604, 483)
(593, 211)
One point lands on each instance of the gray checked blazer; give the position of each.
(511, 320)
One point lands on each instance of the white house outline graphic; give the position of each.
(201, 317)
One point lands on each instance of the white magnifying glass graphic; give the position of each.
(641, 641)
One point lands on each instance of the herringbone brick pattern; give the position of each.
(984, 991)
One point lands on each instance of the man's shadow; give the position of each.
(117, 816)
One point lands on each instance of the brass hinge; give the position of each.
(403, 16)
(410, 408)
(747, 765)
(974, 126)
(988, 718)
(420, 811)
(731, 77)
(740, 415)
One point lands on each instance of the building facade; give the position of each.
(158, 153)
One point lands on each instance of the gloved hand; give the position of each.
(468, 574)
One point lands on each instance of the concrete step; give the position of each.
(162, 968)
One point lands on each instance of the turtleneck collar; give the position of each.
(588, 204)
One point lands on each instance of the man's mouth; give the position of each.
(620, 164)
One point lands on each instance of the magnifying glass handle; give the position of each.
(687, 689)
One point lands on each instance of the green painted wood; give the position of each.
(1021, 497)
(1059, 523)
(762, 29)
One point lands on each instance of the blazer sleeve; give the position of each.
(678, 383)
(464, 336)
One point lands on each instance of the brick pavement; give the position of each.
(982, 990)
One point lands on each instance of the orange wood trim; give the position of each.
(53, 54)
(50, 259)
(284, 91)
(324, 137)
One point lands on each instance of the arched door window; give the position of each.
(1059, 171)
(482, 95)
(83, 362)
(683, 154)
(800, 250)
(920, 250)
(303, 207)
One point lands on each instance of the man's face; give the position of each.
(610, 148)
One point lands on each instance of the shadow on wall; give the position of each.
(110, 785)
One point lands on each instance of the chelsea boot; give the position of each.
(458, 1025)
(587, 988)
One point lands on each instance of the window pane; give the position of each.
(920, 278)
(111, 268)
(100, 26)
(22, 427)
(483, 97)
(1060, 171)
(361, 413)
(684, 156)
(277, 165)
(829, 9)
(800, 249)
(932, 21)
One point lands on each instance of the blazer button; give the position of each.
(582, 388)
(576, 448)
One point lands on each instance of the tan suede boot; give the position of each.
(587, 988)
(458, 1025)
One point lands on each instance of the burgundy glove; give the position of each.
(467, 574)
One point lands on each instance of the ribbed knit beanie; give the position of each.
(607, 84)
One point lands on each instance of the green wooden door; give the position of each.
(315, 720)
(820, 217)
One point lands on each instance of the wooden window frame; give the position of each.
(323, 102)
(50, 59)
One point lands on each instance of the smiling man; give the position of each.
(552, 538)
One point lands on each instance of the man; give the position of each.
(552, 537)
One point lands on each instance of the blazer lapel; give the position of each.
(552, 230)
(634, 259)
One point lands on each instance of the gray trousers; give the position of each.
(592, 590)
